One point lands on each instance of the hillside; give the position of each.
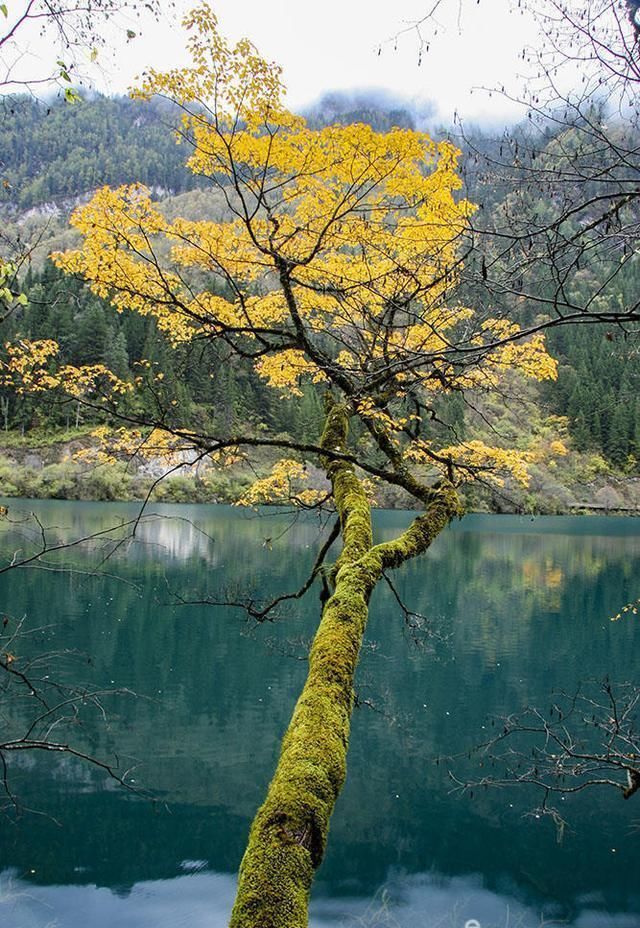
(54, 156)
(56, 152)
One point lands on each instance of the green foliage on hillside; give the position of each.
(598, 390)
(55, 151)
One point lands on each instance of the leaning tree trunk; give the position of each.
(289, 832)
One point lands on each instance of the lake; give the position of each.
(514, 609)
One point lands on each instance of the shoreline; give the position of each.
(46, 466)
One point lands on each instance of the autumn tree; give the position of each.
(336, 263)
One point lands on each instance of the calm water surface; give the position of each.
(522, 608)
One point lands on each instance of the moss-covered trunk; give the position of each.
(289, 832)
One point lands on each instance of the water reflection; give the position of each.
(165, 533)
(204, 900)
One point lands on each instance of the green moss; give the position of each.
(444, 506)
(289, 833)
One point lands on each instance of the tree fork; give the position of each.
(289, 833)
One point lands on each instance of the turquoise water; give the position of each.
(516, 609)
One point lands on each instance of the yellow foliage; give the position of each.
(285, 369)
(285, 484)
(112, 445)
(27, 365)
(630, 609)
(29, 369)
(481, 460)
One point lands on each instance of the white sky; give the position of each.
(334, 45)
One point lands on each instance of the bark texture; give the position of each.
(289, 833)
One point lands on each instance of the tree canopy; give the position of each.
(338, 263)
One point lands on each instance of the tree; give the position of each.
(337, 264)
(565, 240)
